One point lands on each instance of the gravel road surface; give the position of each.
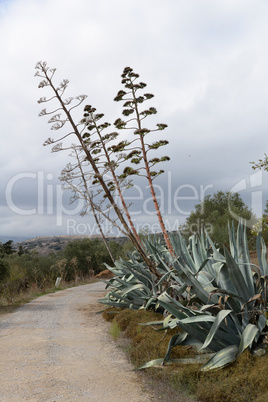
(56, 348)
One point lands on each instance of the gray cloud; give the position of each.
(206, 63)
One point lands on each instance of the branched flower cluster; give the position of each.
(101, 157)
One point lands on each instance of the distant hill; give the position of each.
(16, 239)
(46, 245)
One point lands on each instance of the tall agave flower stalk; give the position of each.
(140, 153)
(93, 125)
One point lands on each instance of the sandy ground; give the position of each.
(57, 348)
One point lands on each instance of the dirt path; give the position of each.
(51, 350)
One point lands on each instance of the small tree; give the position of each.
(262, 225)
(6, 248)
(4, 269)
(214, 213)
(90, 255)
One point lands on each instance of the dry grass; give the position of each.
(245, 380)
(6, 306)
(20, 299)
(115, 330)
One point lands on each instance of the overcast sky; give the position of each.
(206, 62)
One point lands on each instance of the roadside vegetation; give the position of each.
(164, 330)
(244, 380)
(24, 275)
(217, 299)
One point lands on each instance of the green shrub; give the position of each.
(4, 270)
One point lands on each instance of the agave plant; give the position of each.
(217, 301)
(133, 285)
(225, 310)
